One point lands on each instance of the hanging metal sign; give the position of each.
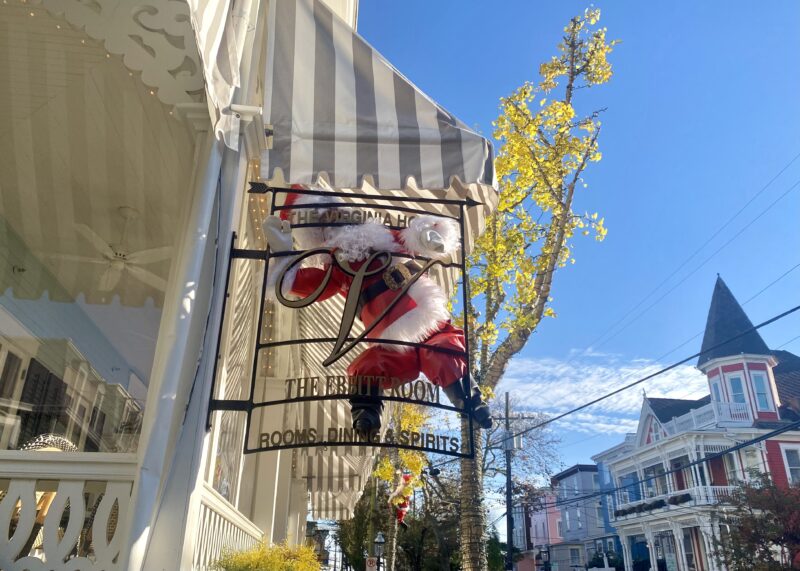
(364, 275)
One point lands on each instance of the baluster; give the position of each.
(105, 551)
(22, 493)
(69, 493)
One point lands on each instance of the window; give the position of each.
(574, 556)
(715, 391)
(8, 377)
(596, 481)
(762, 393)
(560, 529)
(575, 485)
(578, 517)
(599, 514)
(730, 467)
(566, 519)
(654, 431)
(792, 457)
(611, 546)
(737, 390)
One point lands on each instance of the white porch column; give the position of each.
(260, 491)
(677, 532)
(627, 556)
(298, 510)
(708, 538)
(651, 547)
(283, 491)
(175, 362)
(668, 477)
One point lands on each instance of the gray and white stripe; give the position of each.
(339, 110)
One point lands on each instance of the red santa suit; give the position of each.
(419, 315)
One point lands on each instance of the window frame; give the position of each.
(794, 447)
(577, 559)
(739, 376)
(761, 376)
(716, 390)
(9, 378)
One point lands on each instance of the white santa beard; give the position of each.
(419, 323)
(356, 242)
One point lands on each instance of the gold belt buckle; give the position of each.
(391, 282)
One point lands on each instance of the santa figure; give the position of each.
(401, 496)
(418, 315)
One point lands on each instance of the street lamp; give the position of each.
(379, 542)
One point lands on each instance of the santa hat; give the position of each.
(302, 199)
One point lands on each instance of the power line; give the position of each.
(751, 298)
(789, 341)
(773, 433)
(698, 250)
(652, 375)
(692, 256)
(639, 381)
(703, 263)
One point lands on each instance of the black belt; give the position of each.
(394, 278)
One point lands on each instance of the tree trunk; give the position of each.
(391, 555)
(473, 518)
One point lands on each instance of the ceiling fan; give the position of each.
(117, 259)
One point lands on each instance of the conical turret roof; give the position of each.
(727, 319)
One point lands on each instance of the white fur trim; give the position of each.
(358, 241)
(419, 323)
(275, 271)
(308, 238)
(413, 235)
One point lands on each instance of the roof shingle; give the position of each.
(726, 319)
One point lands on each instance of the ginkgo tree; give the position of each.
(545, 149)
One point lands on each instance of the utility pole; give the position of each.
(508, 444)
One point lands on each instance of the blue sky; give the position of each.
(703, 112)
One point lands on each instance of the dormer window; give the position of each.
(763, 400)
(737, 390)
(654, 433)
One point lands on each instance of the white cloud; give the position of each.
(555, 386)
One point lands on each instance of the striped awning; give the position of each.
(220, 27)
(339, 111)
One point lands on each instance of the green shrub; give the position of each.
(265, 557)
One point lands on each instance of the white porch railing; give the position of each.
(62, 511)
(221, 527)
(693, 420)
(698, 496)
(733, 412)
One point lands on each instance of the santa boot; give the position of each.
(480, 410)
(366, 411)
